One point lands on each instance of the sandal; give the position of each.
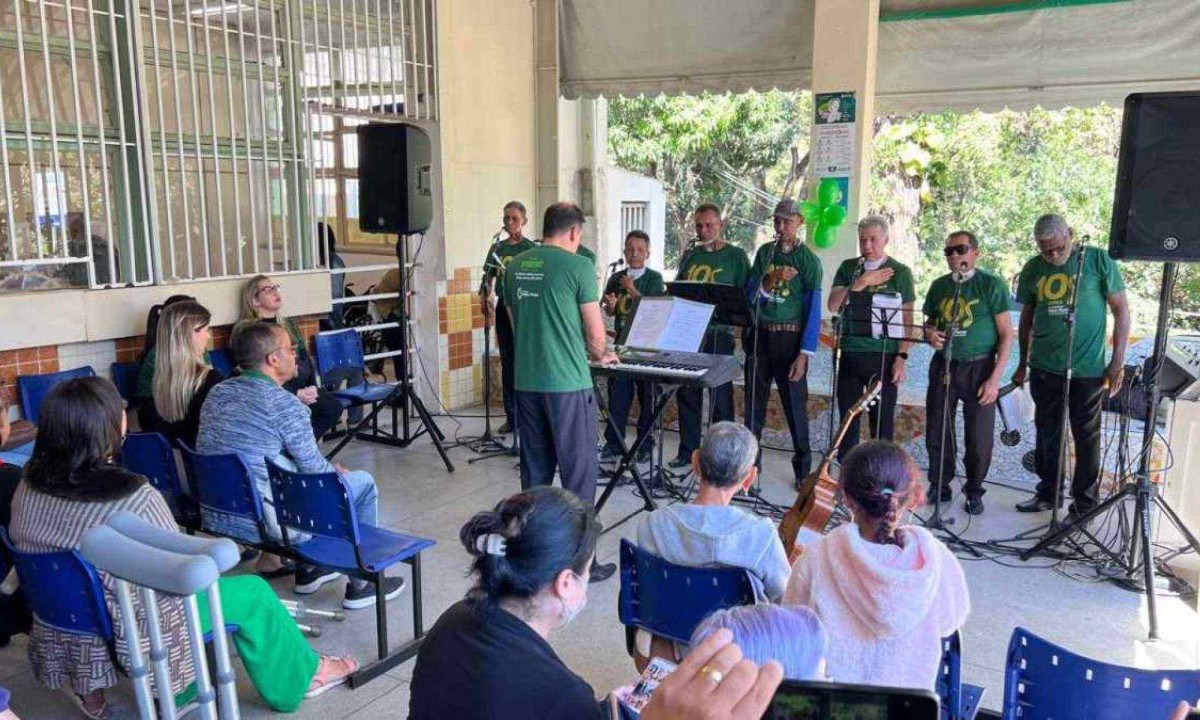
(286, 569)
(94, 705)
(331, 672)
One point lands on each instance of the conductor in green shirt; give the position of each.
(622, 291)
(785, 285)
(553, 298)
(978, 353)
(500, 254)
(865, 357)
(1044, 290)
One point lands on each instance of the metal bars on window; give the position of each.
(191, 139)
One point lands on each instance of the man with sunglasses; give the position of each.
(976, 303)
(1044, 289)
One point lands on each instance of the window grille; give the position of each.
(633, 217)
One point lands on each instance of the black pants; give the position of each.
(979, 423)
(326, 412)
(855, 371)
(690, 401)
(558, 431)
(620, 400)
(504, 343)
(770, 360)
(1087, 395)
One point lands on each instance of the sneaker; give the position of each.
(947, 494)
(504, 430)
(600, 573)
(974, 506)
(310, 578)
(363, 596)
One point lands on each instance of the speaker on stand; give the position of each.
(395, 197)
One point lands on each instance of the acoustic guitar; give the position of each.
(818, 496)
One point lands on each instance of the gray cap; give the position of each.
(786, 208)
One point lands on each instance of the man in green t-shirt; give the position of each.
(623, 289)
(708, 260)
(552, 297)
(785, 284)
(967, 322)
(587, 253)
(1044, 291)
(864, 357)
(498, 257)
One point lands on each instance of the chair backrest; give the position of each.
(63, 591)
(949, 680)
(338, 349)
(150, 454)
(125, 376)
(222, 361)
(34, 388)
(1043, 681)
(229, 502)
(318, 504)
(670, 600)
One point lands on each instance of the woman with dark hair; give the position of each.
(327, 255)
(70, 486)
(488, 656)
(887, 593)
(182, 375)
(262, 301)
(143, 393)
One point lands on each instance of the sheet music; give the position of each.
(886, 307)
(667, 323)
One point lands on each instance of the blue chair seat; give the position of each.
(380, 549)
(365, 393)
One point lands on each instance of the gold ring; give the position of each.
(715, 675)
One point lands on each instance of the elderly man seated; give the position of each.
(253, 416)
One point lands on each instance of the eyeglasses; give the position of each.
(267, 288)
(281, 348)
(953, 250)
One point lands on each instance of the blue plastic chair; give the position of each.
(222, 361)
(228, 500)
(125, 376)
(33, 388)
(959, 701)
(150, 454)
(64, 592)
(1044, 681)
(321, 506)
(339, 355)
(669, 600)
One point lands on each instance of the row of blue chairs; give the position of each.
(1042, 681)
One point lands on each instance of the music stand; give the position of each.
(865, 319)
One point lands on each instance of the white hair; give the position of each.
(877, 221)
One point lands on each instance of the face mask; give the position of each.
(568, 613)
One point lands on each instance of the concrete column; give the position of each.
(845, 36)
(545, 20)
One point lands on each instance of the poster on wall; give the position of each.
(834, 128)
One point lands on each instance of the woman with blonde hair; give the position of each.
(262, 301)
(182, 375)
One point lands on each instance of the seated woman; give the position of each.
(182, 375)
(792, 636)
(143, 393)
(488, 656)
(70, 486)
(262, 301)
(887, 593)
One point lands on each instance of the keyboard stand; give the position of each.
(629, 462)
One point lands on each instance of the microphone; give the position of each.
(617, 263)
(958, 274)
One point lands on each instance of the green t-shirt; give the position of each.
(786, 304)
(981, 299)
(650, 283)
(544, 288)
(1047, 288)
(856, 333)
(504, 253)
(728, 266)
(581, 250)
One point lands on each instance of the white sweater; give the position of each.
(885, 607)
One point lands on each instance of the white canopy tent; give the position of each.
(986, 55)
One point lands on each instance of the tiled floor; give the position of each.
(420, 497)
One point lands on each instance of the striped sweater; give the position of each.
(46, 523)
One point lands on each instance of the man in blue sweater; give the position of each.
(253, 416)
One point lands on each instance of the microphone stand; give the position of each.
(488, 445)
(756, 491)
(836, 355)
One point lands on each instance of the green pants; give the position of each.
(277, 658)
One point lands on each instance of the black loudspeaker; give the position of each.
(395, 179)
(1156, 213)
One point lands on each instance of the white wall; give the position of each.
(620, 186)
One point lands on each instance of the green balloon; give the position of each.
(833, 216)
(825, 236)
(810, 211)
(828, 192)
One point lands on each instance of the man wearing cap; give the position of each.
(865, 358)
(1044, 290)
(785, 287)
(708, 260)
